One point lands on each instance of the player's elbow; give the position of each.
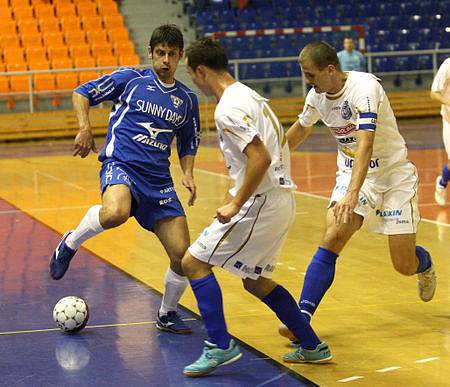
(265, 159)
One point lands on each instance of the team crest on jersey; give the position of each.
(177, 102)
(151, 88)
(346, 112)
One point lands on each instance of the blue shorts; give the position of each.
(151, 202)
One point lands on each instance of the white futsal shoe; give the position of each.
(440, 193)
(426, 284)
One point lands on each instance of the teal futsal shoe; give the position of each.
(213, 357)
(321, 354)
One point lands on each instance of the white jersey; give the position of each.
(441, 84)
(240, 115)
(362, 104)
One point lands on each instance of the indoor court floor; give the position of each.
(379, 331)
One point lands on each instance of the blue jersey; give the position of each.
(145, 118)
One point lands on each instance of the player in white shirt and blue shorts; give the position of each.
(250, 227)
(440, 91)
(375, 182)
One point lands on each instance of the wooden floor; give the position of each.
(378, 329)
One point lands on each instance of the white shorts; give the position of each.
(250, 244)
(388, 202)
(446, 136)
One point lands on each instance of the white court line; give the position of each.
(350, 379)
(426, 360)
(316, 196)
(388, 369)
(44, 209)
(60, 180)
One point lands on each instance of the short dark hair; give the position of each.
(207, 52)
(321, 54)
(168, 34)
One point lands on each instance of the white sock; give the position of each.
(174, 286)
(88, 227)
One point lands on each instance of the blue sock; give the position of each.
(424, 259)
(318, 279)
(445, 176)
(286, 309)
(209, 301)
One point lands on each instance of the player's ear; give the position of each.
(150, 52)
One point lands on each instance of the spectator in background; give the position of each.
(351, 59)
(440, 91)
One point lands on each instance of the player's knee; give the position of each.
(113, 217)
(189, 264)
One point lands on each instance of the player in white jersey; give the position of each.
(375, 181)
(250, 227)
(440, 91)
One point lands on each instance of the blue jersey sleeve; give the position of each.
(108, 87)
(188, 137)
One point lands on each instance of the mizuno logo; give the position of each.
(153, 131)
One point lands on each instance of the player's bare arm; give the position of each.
(187, 166)
(437, 96)
(84, 140)
(343, 210)
(297, 134)
(257, 164)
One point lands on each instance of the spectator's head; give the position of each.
(349, 45)
(166, 50)
(206, 59)
(320, 66)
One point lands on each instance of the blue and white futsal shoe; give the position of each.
(213, 357)
(172, 322)
(61, 258)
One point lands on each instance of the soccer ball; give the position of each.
(71, 314)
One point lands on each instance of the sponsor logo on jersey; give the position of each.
(177, 102)
(347, 140)
(165, 201)
(343, 130)
(144, 139)
(151, 88)
(388, 213)
(153, 131)
(346, 112)
(158, 111)
(374, 163)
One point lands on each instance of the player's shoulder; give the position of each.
(359, 80)
(186, 90)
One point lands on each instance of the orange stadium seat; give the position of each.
(78, 51)
(6, 12)
(28, 26)
(101, 49)
(62, 63)
(9, 25)
(105, 61)
(63, 9)
(31, 40)
(84, 62)
(44, 82)
(19, 83)
(118, 35)
(92, 23)
(96, 36)
(113, 21)
(86, 76)
(124, 48)
(4, 84)
(44, 10)
(107, 8)
(49, 25)
(70, 23)
(86, 8)
(19, 3)
(2, 67)
(36, 54)
(16, 66)
(11, 41)
(54, 39)
(22, 13)
(38, 65)
(56, 52)
(14, 55)
(66, 81)
(74, 37)
(129, 60)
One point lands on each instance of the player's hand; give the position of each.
(188, 182)
(226, 212)
(343, 210)
(84, 143)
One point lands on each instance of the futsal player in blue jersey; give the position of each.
(150, 109)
